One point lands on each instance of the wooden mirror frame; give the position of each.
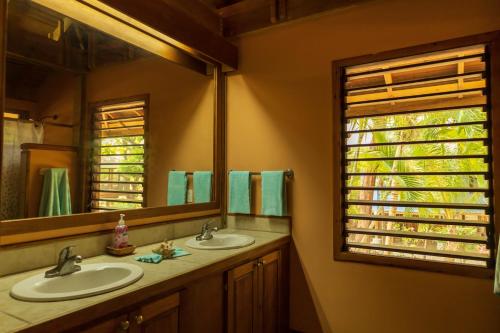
(41, 228)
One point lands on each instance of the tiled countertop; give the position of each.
(16, 315)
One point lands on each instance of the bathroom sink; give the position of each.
(93, 279)
(221, 242)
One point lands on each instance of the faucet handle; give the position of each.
(65, 252)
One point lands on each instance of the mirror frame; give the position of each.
(41, 228)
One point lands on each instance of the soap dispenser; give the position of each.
(121, 233)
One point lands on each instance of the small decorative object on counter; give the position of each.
(121, 251)
(120, 246)
(166, 249)
(121, 234)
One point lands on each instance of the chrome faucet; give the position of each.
(206, 232)
(65, 264)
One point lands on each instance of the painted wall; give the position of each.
(59, 95)
(180, 115)
(280, 116)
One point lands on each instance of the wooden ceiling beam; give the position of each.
(193, 37)
(249, 15)
(200, 12)
(242, 7)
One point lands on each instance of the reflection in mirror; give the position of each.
(92, 123)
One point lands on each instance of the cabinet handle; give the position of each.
(139, 319)
(124, 325)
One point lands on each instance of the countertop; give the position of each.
(18, 315)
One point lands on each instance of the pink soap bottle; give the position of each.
(121, 233)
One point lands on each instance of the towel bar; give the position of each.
(288, 173)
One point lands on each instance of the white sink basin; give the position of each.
(221, 242)
(93, 279)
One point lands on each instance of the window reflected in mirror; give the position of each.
(118, 164)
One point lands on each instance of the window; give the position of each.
(118, 154)
(415, 159)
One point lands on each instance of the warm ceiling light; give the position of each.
(108, 20)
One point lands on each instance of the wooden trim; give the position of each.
(219, 158)
(41, 146)
(189, 35)
(27, 60)
(439, 267)
(241, 7)
(338, 156)
(340, 253)
(494, 102)
(3, 59)
(484, 38)
(11, 236)
(284, 217)
(123, 302)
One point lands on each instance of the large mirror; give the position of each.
(93, 123)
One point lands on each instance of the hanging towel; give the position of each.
(496, 284)
(239, 192)
(273, 193)
(56, 197)
(202, 185)
(177, 188)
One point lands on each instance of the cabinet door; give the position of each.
(269, 292)
(242, 299)
(203, 304)
(120, 324)
(160, 316)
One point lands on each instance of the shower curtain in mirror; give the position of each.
(15, 133)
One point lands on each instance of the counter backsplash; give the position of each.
(21, 258)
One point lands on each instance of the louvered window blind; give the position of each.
(118, 155)
(416, 158)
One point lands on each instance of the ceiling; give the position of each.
(241, 16)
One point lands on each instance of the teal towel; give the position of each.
(155, 258)
(177, 188)
(152, 258)
(273, 193)
(496, 284)
(179, 252)
(56, 197)
(239, 192)
(202, 185)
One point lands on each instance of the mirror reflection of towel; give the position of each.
(177, 188)
(56, 197)
(202, 186)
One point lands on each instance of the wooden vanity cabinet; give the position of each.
(249, 295)
(255, 302)
(159, 316)
(118, 324)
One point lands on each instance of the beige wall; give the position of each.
(180, 116)
(59, 95)
(280, 116)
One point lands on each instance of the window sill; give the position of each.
(430, 266)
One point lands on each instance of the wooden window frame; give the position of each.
(491, 40)
(93, 107)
